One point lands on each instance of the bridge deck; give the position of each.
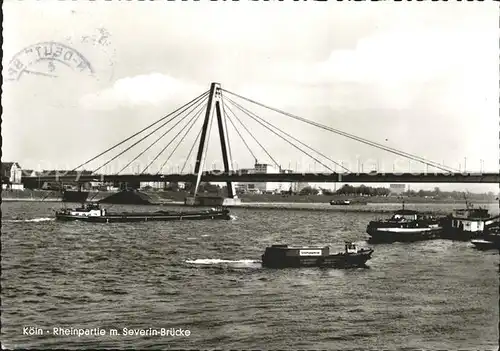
(492, 178)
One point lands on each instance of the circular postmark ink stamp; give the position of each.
(47, 59)
(90, 54)
(97, 47)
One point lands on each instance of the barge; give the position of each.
(93, 213)
(74, 196)
(284, 256)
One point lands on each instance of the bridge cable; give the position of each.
(244, 126)
(224, 117)
(142, 130)
(191, 123)
(93, 197)
(191, 150)
(145, 137)
(351, 136)
(241, 136)
(161, 136)
(249, 113)
(178, 144)
(392, 150)
(284, 138)
(50, 193)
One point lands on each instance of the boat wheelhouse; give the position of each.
(88, 210)
(466, 224)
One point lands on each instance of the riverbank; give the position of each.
(175, 197)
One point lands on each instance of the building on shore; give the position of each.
(12, 174)
(153, 185)
(103, 186)
(264, 187)
(397, 189)
(30, 173)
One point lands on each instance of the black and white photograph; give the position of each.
(250, 175)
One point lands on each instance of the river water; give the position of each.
(205, 277)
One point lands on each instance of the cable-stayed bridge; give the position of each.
(225, 109)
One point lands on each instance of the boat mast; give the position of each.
(467, 205)
(61, 189)
(80, 185)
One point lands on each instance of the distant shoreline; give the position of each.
(276, 203)
(177, 198)
(452, 202)
(373, 208)
(30, 200)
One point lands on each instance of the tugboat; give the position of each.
(404, 226)
(469, 223)
(93, 213)
(283, 256)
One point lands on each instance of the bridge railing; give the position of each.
(285, 177)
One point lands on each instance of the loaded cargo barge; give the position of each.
(93, 213)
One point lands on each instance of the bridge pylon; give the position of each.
(214, 108)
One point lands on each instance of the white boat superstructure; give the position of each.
(91, 210)
(467, 223)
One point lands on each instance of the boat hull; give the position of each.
(460, 234)
(467, 228)
(387, 233)
(143, 217)
(342, 260)
(481, 244)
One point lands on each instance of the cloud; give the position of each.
(142, 90)
(392, 68)
(403, 56)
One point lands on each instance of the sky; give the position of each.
(421, 78)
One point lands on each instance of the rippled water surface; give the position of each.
(205, 277)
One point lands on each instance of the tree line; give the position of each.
(456, 195)
(358, 190)
(350, 190)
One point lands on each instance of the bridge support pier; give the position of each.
(214, 107)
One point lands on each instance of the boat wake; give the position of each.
(18, 220)
(233, 217)
(217, 261)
